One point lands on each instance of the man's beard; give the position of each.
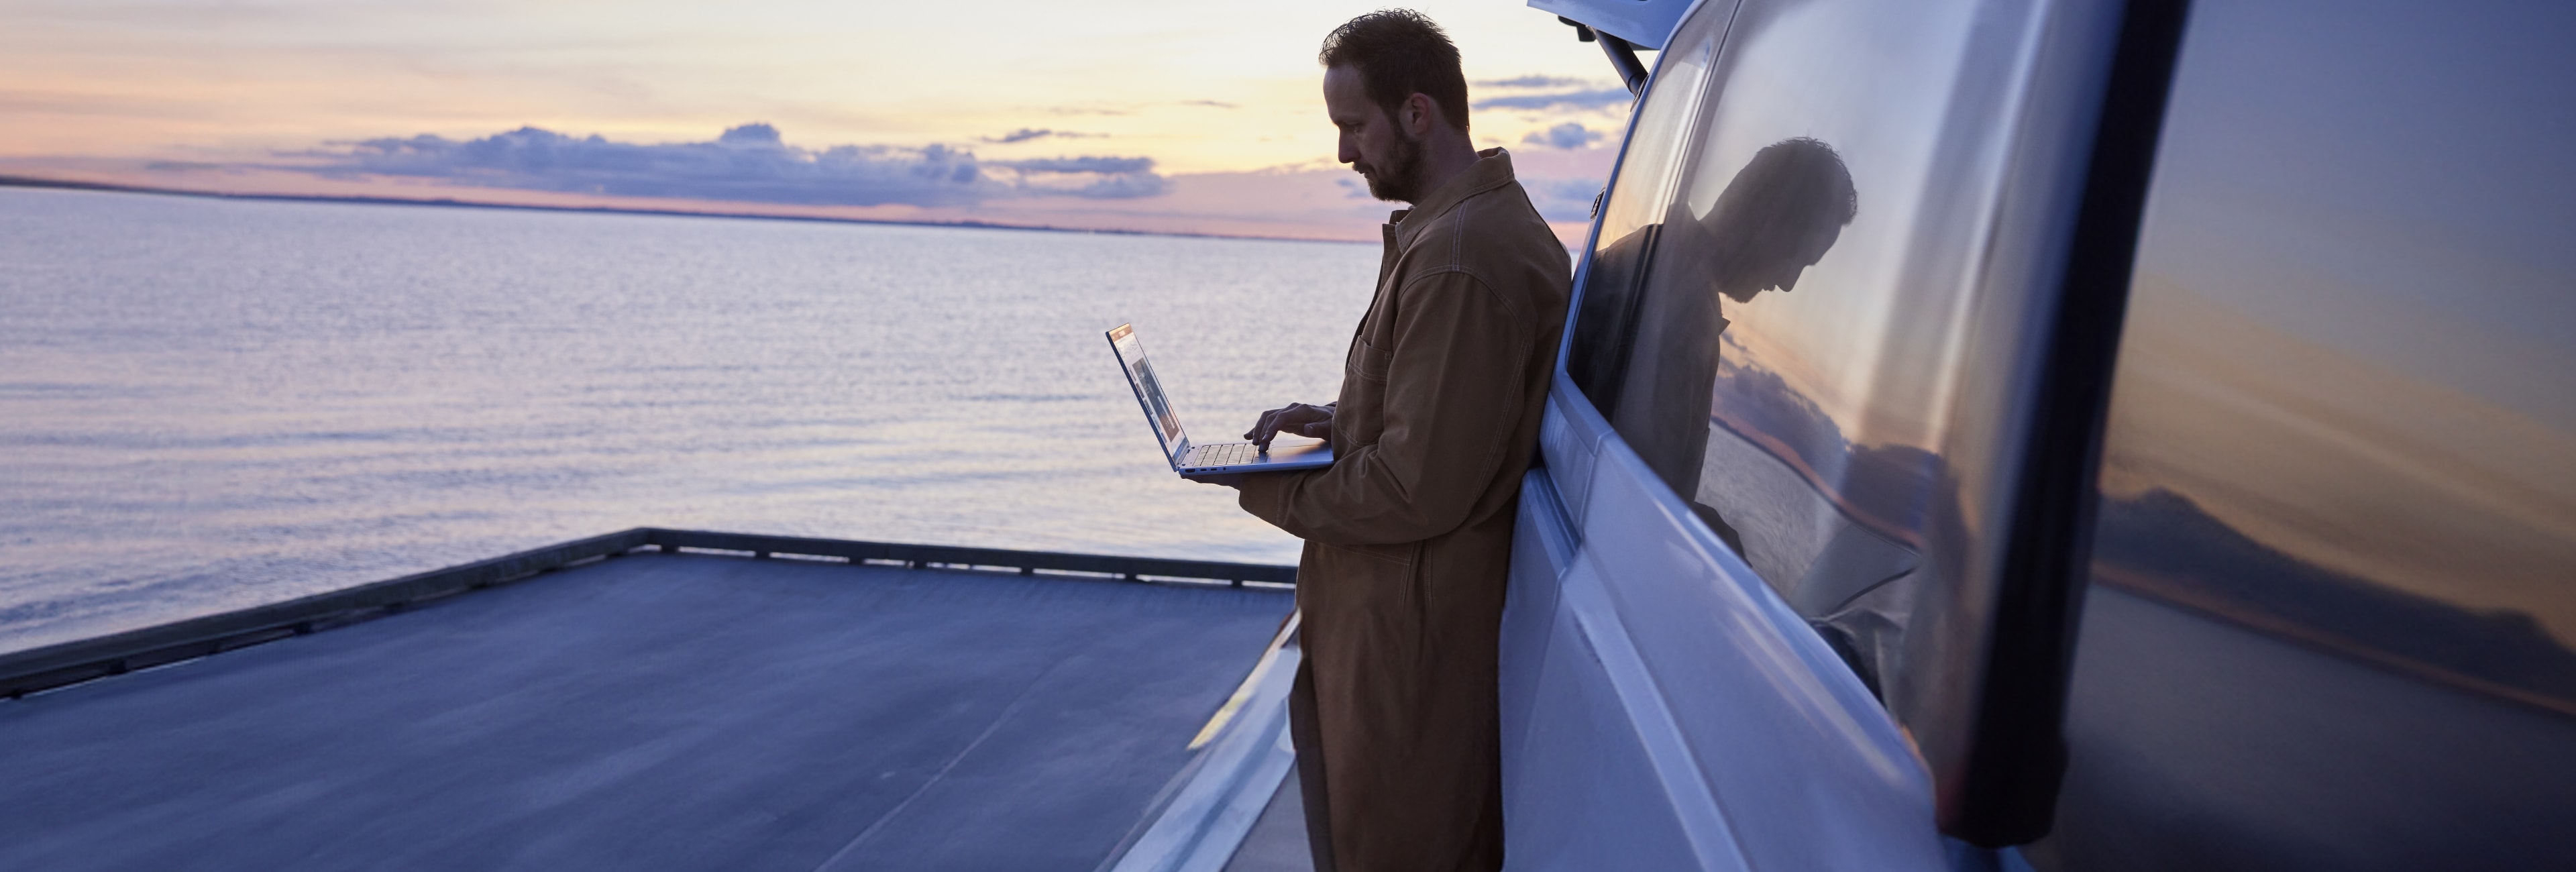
(1396, 182)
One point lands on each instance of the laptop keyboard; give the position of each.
(1228, 454)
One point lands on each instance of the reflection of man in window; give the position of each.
(1776, 218)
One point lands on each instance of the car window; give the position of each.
(1634, 208)
(2343, 411)
(1775, 327)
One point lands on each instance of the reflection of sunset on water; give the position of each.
(2472, 503)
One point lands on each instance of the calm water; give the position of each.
(209, 404)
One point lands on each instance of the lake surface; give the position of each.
(210, 404)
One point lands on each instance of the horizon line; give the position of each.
(19, 181)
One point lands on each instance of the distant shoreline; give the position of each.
(10, 181)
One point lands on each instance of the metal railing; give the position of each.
(35, 669)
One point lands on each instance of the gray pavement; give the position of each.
(1277, 842)
(649, 712)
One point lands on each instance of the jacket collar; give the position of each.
(1493, 169)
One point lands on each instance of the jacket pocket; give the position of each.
(1369, 362)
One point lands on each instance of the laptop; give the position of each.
(1192, 458)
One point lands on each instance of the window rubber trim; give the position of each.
(2017, 754)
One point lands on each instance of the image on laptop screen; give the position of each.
(1167, 426)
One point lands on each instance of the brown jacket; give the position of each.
(1408, 533)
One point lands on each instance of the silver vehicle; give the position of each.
(2077, 434)
(1991, 434)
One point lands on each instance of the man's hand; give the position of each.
(1314, 422)
(1228, 479)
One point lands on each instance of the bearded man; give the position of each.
(1408, 533)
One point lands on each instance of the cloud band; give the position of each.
(747, 163)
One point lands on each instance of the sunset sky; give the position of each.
(1201, 117)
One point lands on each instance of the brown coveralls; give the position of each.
(1408, 534)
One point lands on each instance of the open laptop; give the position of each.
(1189, 458)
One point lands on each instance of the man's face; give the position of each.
(1783, 274)
(1372, 141)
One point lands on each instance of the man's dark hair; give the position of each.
(1796, 185)
(1793, 193)
(1400, 53)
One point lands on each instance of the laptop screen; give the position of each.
(1149, 390)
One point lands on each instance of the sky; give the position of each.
(1199, 117)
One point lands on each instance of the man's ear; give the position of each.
(1419, 115)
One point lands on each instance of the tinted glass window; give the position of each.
(2346, 402)
(1635, 207)
(1774, 327)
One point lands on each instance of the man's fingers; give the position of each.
(1297, 418)
(1263, 425)
(1270, 424)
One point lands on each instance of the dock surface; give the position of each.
(676, 711)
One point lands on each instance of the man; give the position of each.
(1408, 533)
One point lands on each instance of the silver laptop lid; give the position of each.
(1149, 392)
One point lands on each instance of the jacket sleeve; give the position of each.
(1453, 393)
